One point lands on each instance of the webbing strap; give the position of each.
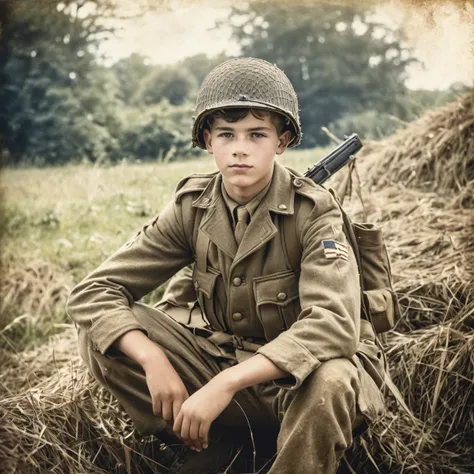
(352, 239)
(220, 338)
(349, 231)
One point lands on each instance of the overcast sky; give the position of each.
(443, 39)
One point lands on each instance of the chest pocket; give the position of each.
(277, 302)
(204, 283)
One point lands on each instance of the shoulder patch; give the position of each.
(193, 184)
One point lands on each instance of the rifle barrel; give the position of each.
(335, 160)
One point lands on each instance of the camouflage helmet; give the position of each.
(246, 82)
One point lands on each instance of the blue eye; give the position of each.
(225, 135)
(257, 135)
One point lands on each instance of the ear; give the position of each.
(283, 141)
(207, 140)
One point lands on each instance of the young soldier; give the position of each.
(281, 343)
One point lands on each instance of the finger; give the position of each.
(157, 409)
(166, 410)
(204, 434)
(185, 432)
(178, 421)
(177, 404)
(194, 434)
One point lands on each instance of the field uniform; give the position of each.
(306, 320)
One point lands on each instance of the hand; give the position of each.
(166, 388)
(200, 410)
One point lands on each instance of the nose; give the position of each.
(240, 147)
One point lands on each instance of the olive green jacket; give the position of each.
(302, 317)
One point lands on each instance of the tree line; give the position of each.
(60, 103)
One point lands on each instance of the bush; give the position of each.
(160, 133)
(369, 124)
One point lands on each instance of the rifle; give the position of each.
(335, 160)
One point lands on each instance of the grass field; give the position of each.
(61, 223)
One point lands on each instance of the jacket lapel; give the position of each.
(278, 200)
(217, 227)
(216, 224)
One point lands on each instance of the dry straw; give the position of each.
(55, 418)
(435, 153)
(418, 186)
(30, 290)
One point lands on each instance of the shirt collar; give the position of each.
(279, 193)
(251, 206)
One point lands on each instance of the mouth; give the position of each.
(238, 166)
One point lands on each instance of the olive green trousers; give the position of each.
(316, 420)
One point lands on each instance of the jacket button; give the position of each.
(297, 183)
(205, 201)
(283, 207)
(281, 296)
(196, 285)
(237, 316)
(237, 281)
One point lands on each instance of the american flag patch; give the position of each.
(334, 249)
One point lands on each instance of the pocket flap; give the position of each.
(205, 282)
(378, 300)
(368, 235)
(279, 288)
(383, 309)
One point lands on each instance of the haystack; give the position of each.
(418, 186)
(56, 418)
(30, 289)
(434, 153)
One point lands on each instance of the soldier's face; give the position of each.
(244, 152)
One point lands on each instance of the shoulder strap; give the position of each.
(351, 238)
(291, 240)
(202, 246)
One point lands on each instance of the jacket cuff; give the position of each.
(292, 357)
(108, 328)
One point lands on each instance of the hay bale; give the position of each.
(431, 246)
(432, 250)
(399, 443)
(418, 187)
(434, 367)
(32, 297)
(434, 153)
(56, 418)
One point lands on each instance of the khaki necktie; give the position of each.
(241, 227)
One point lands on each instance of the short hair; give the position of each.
(234, 114)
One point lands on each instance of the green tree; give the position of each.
(200, 65)
(173, 83)
(338, 57)
(160, 132)
(130, 72)
(56, 104)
